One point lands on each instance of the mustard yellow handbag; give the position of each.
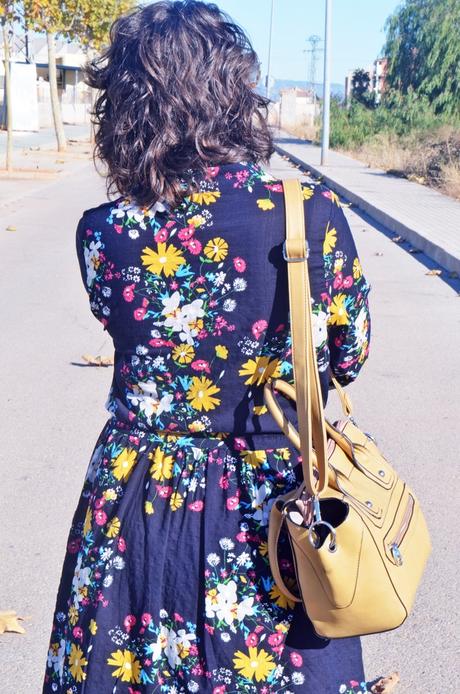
(357, 533)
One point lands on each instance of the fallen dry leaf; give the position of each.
(98, 361)
(386, 685)
(9, 622)
(433, 272)
(11, 228)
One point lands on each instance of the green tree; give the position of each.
(360, 88)
(85, 21)
(423, 51)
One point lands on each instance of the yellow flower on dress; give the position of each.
(259, 370)
(279, 598)
(148, 507)
(338, 265)
(329, 240)
(73, 615)
(265, 204)
(109, 494)
(338, 312)
(263, 548)
(126, 664)
(216, 249)
(162, 465)
(197, 220)
(166, 259)
(258, 664)
(176, 501)
(254, 458)
(113, 527)
(183, 354)
(201, 394)
(87, 523)
(259, 409)
(221, 351)
(124, 463)
(92, 627)
(357, 269)
(196, 426)
(307, 192)
(206, 197)
(77, 662)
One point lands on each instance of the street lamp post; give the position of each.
(269, 59)
(327, 84)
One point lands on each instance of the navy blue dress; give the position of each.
(166, 585)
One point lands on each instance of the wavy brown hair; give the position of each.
(176, 94)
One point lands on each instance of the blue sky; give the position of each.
(358, 34)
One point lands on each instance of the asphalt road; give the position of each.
(51, 411)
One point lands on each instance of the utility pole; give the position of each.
(327, 84)
(269, 59)
(314, 52)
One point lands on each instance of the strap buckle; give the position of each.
(296, 260)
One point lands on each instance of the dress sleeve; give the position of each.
(94, 268)
(348, 309)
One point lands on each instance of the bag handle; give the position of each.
(311, 420)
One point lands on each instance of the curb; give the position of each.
(448, 261)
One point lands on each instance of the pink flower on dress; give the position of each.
(77, 633)
(196, 506)
(146, 619)
(200, 365)
(194, 246)
(186, 233)
(129, 622)
(121, 544)
(161, 236)
(233, 503)
(239, 264)
(164, 492)
(275, 187)
(99, 503)
(296, 659)
(139, 313)
(100, 517)
(258, 328)
(275, 639)
(240, 444)
(118, 228)
(348, 282)
(338, 281)
(212, 171)
(252, 640)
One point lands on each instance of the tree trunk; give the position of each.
(54, 94)
(7, 99)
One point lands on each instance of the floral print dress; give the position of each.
(166, 584)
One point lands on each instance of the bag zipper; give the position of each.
(399, 537)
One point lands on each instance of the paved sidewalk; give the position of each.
(427, 219)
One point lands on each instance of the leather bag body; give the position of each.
(357, 532)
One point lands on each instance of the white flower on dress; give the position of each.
(260, 506)
(106, 291)
(183, 320)
(81, 579)
(245, 609)
(239, 284)
(56, 658)
(229, 305)
(319, 321)
(213, 559)
(298, 678)
(219, 279)
(222, 604)
(226, 543)
(145, 397)
(133, 234)
(225, 636)
(91, 254)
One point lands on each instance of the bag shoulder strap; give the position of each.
(311, 419)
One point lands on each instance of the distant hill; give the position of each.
(336, 89)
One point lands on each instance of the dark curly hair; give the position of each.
(176, 95)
